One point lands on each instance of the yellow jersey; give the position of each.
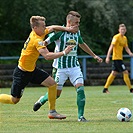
(30, 53)
(118, 42)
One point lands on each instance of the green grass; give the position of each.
(100, 110)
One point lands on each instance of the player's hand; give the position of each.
(98, 59)
(68, 49)
(107, 60)
(131, 54)
(45, 43)
(73, 29)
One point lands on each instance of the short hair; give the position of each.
(34, 20)
(121, 25)
(73, 13)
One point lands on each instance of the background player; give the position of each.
(119, 42)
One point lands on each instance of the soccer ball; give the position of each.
(124, 114)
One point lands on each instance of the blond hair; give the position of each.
(34, 20)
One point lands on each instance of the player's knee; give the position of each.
(125, 72)
(78, 85)
(114, 73)
(15, 100)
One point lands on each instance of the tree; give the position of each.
(99, 22)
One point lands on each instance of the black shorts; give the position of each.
(21, 80)
(118, 65)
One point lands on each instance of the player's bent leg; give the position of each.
(52, 113)
(51, 95)
(43, 99)
(52, 91)
(8, 99)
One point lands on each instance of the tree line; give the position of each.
(99, 21)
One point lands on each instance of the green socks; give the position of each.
(80, 100)
(44, 99)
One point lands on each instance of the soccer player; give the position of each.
(26, 71)
(68, 66)
(119, 42)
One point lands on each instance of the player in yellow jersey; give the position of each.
(119, 42)
(26, 71)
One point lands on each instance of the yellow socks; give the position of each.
(127, 80)
(52, 92)
(4, 98)
(109, 80)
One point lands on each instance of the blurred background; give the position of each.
(99, 22)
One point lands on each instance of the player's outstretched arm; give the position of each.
(86, 48)
(51, 55)
(52, 28)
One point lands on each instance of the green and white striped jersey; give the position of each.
(62, 40)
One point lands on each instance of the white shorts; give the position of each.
(73, 74)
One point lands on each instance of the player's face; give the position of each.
(122, 30)
(75, 21)
(40, 29)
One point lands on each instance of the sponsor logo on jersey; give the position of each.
(71, 42)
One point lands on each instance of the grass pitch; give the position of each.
(100, 110)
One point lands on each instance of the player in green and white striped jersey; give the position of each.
(64, 39)
(68, 66)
